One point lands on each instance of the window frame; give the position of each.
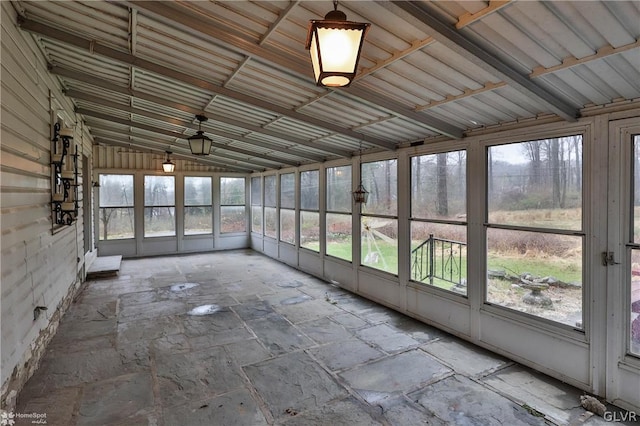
(453, 222)
(243, 204)
(309, 210)
(552, 325)
(336, 212)
(131, 207)
(364, 214)
(185, 206)
(145, 207)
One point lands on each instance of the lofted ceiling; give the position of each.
(140, 71)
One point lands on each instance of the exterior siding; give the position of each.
(39, 267)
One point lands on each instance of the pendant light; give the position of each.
(199, 143)
(168, 166)
(335, 45)
(360, 195)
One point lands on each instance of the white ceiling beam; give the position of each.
(176, 154)
(446, 34)
(187, 125)
(104, 84)
(94, 47)
(469, 18)
(573, 61)
(153, 129)
(233, 39)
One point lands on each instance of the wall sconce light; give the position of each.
(199, 143)
(360, 195)
(168, 166)
(335, 45)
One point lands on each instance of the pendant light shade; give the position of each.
(360, 195)
(199, 143)
(335, 45)
(168, 166)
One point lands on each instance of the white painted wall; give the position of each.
(40, 267)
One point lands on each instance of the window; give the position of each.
(379, 220)
(438, 220)
(309, 210)
(338, 220)
(256, 205)
(116, 211)
(270, 214)
(159, 206)
(197, 206)
(232, 205)
(287, 208)
(535, 233)
(634, 247)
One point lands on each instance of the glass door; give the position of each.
(622, 259)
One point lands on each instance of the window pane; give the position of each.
(198, 220)
(380, 179)
(232, 191)
(256, 219)
(537, 273)
(115, 223)
(339, 235)
(159, 221)
(310, 230)
(197, 191)
(309, 190)
(159, 191)
(288, 226)
(380, 244)
(636, 189)
(339, 189)
(634, 346)
(287, 191)
(116, 190)
(270, 191)
(439, 255)
(270, 222)
(256, 191)
(536, 183)
(439, 186)
(233, 219)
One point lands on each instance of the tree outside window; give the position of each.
(116, 212)
(198, 217)
(310, 210)
(338, 217)
(159, 206)
(232, 205)
(535, 234)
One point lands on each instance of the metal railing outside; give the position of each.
(437, 258)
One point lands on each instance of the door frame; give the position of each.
(622, 369)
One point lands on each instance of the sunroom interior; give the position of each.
(497, 143)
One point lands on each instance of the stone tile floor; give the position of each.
(273, 346)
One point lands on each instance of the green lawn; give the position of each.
(567, 270)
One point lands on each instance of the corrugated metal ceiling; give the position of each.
(139, 71)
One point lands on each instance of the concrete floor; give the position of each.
(274, 346)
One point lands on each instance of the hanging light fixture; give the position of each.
(168, 166)
(335, 45)
(360, 195)
(199, 143)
